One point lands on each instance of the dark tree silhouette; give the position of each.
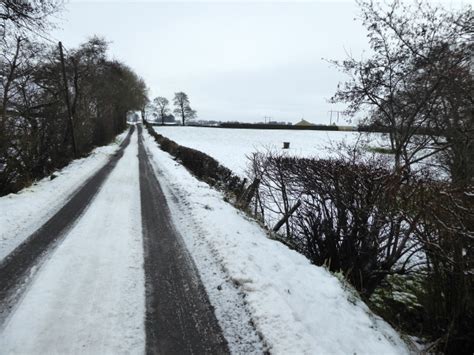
(182, 107)
(162, 106)
(34, 119)
(418, 79)
(418, 86)
(27, 16)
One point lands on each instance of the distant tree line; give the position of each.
(56, 104)
(159, 109)
(314, 127)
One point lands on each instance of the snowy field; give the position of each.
(231, 146)
(297, 308)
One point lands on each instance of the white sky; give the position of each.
(235, 60)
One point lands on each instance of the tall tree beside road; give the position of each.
(418, 80)
(162, 106)
(35, 121)
(182, 107)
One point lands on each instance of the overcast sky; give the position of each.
(236, 60)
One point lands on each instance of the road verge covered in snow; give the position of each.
(296, 307)
(89, 296)
(24, 212)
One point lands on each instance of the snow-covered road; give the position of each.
(150, 269)
(26, 211)
(89, 296)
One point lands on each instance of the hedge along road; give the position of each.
(19, 267)
(90, 292)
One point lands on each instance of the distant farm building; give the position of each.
(304, 123)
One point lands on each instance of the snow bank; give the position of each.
(24, 212)
(296, 307)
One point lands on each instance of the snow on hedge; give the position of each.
(297, 308)
(24, 212)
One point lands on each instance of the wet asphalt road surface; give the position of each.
(179, 316)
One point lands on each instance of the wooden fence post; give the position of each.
(287, 216)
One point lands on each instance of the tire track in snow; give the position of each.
(89, 295)
(179, 317)
(19, 267)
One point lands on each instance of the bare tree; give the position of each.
(420, 58)
(9, 63)
(34, 137)
(162, 106)
(27, 15)
(182, 107)
(418, 85)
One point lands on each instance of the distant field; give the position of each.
(231, 146)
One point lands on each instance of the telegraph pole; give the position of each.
(338, 113)
(68, 101)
